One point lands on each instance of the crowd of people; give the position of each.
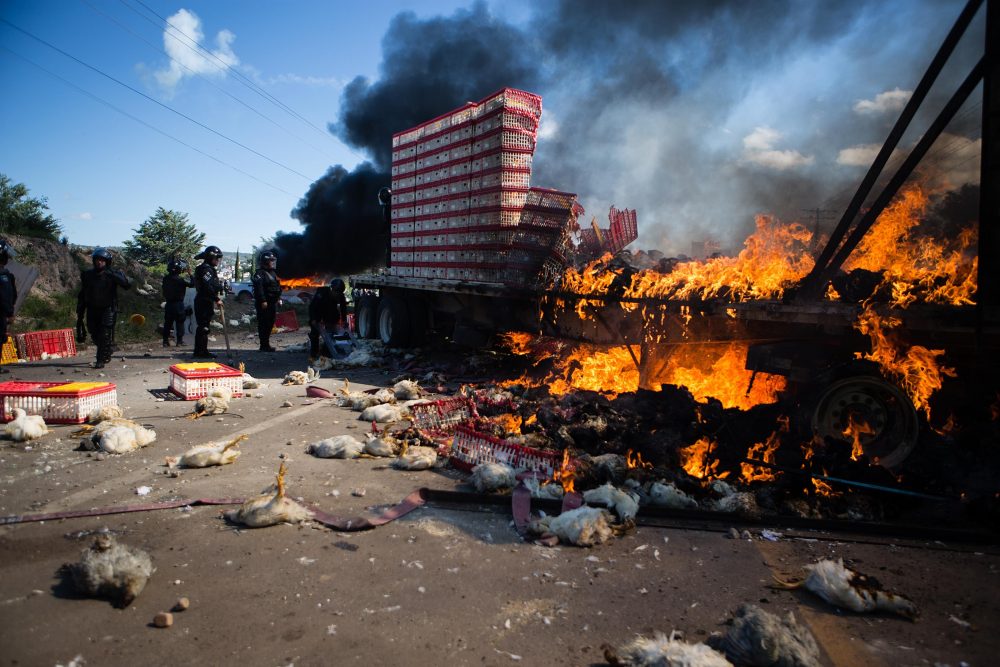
(97, 302)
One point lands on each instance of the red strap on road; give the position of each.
(411, 502)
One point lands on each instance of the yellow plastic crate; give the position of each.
(9, 352)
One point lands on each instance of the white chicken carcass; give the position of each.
(584, 526)
(212, 454)
(488, 477)
(301, 377)
(415, 458)
(103, 413)
(668, 495)
(844, 588)
(384, 413)
(337, 447)
(111, 570)
(548, 491)
(215, 402)
(664, 651)
(381, 445)
(118, 435)
(407, 390)
(762, 639)
(270, 508)
(624, 505)
(25, 427)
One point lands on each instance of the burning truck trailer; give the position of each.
(846, 358)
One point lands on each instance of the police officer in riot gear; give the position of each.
(98, 301)
(174, 288)
(327, 310)
(8, 291)
(208, 293)
(266, 294)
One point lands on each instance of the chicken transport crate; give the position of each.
(442, 415)
(9, 352)
(469, 448)
(56, 402)
(193, 381)
(37, 345)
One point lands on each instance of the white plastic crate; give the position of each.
(56, 402)
(194, 380)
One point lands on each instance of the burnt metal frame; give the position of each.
(830, 259)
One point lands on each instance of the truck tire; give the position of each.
(367, 315)
(394, 322)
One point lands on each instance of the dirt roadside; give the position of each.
(440, 586)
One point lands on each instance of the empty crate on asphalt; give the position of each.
(194, 380)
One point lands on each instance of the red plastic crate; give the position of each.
(192, 381)
(469, 448)
(442, 415)
(56, 402)
(54, 342)
(287, 320)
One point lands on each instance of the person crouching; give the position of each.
(327, 311)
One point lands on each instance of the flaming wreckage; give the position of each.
(849, 345)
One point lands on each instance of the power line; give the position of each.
(142, 122)
(222, 90)
(194, 46)
(157, 102)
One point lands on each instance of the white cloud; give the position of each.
(82, 216)
(298, 79)
(758, 147)
(182, 41)
(890, 100)
(861, 155)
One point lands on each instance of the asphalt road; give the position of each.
(439, 586)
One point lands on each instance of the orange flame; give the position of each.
(925, 269)
(719, 371)
(517, 342)
(822, 487)
(564, 475)
(857, 427)
(763, 451)
(634, 460)
(511, 424)
(693, 459)
(299, 283)
(916, 368)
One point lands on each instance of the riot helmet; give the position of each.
(6, 251)
(337, 286)
(268, 256)
(103, 254)
(211, 252)
(176, 266)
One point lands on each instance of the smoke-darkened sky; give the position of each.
(699, 115)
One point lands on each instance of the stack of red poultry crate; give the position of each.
(463, 207)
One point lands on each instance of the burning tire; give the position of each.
(367, 316)
(394, 321)
(872, 414)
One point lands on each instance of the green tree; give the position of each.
(21, 214)
(163, 235)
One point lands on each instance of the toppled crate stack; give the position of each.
(462, 204)
(194, 380)
(469, 448)
(56, 402)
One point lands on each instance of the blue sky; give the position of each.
(697, 114)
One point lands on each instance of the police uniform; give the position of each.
(208, 287)
(266, 289)
(8, 297)
(98, 300)
(174, 315)
(327, 309)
